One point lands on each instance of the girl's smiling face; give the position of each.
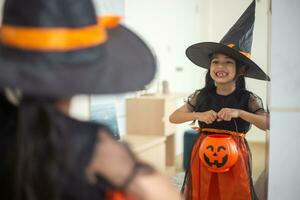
(222, 69)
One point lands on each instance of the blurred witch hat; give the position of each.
(60, 48)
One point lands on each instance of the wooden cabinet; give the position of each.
(149, 148)
(149, 115)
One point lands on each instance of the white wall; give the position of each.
(1, 9)
(284, 178)
(169, 27)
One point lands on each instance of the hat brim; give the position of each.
(128, 65)
(200, 54)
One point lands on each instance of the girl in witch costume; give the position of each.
(50, 51)
(220, 162)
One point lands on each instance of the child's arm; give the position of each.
(255, 114)
(115, 163)
(260, 119)
(185, 114)
(181, 115)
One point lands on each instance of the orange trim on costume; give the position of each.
(57, 39)
(248, 55)
(213, 130)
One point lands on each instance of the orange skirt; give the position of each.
(201, 184)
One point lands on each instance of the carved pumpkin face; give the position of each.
(218, 152)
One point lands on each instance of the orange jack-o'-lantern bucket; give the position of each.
(218, 152)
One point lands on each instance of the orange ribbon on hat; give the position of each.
(248, 55)
(57, 39)
(110, 21)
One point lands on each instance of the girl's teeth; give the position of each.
(221, 74)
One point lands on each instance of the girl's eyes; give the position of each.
(227, 62)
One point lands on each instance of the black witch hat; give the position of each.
(236, 43)
(60, 48)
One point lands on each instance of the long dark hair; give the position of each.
(37, 174)
(28, 169)
(9, 120)
(53, 152)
